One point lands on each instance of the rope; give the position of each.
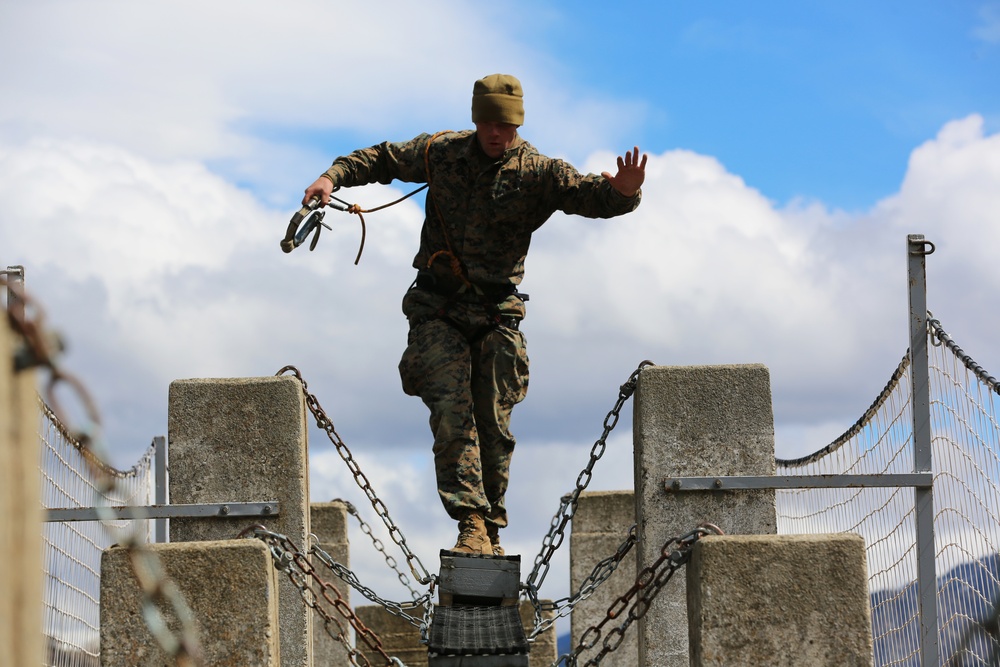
(357, 210)
(453, 262)
(858, 425)
(970, 363)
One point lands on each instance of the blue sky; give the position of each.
(152, 153)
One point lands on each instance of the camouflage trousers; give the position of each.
(470, 372)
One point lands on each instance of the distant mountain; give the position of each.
(967, 599)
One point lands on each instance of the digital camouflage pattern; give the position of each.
(490, 207)
(470, 372)
(461, 360)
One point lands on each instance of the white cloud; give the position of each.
(228, 81)
(156, 267)
(988, 30)
(177, 273)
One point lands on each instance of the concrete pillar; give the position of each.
(244, 440)
(230, 586)
(329, 525)
(784, 601)
(696, 421)
(21, 525)
(399, 637)
(545, 649)
(600, 525)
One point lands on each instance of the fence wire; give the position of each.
(965, 425)
(72, 550)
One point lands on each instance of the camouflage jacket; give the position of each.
(482, 210)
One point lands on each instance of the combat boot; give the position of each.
(472, 537)
(493, 532)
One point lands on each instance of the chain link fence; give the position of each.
(965, 426)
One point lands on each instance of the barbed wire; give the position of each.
(41, 349)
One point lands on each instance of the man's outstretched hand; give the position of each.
(631, 173)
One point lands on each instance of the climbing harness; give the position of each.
(309, 219)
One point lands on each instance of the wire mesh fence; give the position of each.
(965, 425)
(72, 550)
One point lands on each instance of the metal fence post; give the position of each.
(917, 251)
(16, 281)
(160, 488)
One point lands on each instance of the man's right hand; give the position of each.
(322, 187)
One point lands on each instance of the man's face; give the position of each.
(495, 138)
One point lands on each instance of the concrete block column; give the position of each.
(244, 440)
(781, 600)
(329, 525)
(230, 587)
(696, 421)
(600, 525)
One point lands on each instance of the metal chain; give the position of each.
(351, 579)
(564, 606)
(380, 547)
(312, 588)
(324, 422)
(41, 348)
(674, 554)
(568, 504)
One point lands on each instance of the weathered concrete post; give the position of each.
(780, 600)
(244, 440)
(600, 526)
(21, 525)
(329, 525)
(696, 421)
(230, 587)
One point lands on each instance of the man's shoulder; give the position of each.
(451, 136)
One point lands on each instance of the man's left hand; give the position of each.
(631, 173)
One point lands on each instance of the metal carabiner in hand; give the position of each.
(308, 218)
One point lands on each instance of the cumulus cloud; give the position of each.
(140, 194)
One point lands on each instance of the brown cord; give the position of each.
(453, 261)
(357, 210)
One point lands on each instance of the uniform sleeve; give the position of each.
(382, 163)
(590, 196)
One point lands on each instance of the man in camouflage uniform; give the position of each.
(466, 357)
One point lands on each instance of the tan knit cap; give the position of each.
(498, 98)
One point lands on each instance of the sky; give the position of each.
(151, 155)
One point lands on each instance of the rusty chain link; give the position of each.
(41, 348)
(324, 423)
(568, 504)
(351, 579)
(634, 603)
(380, 547)
(312, 588)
